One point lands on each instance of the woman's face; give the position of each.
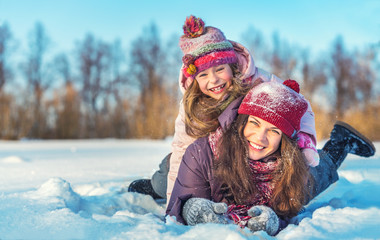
(263, 138)
(215, 81)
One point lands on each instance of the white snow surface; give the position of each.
(77, 190)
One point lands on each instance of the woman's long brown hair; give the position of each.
(202, 111)
(292, 178)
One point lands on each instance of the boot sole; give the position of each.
(358, 134)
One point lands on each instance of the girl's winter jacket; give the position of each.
(252, 75)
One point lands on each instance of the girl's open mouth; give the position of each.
(218, 89)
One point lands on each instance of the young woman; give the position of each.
(252, 171)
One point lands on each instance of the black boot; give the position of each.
(143, 186)
(345, 139)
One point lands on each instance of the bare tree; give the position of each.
(173, 66)
(94, 63)
(5, 40)
(283, 60)
(67, 104)
(365, 74)
(120, 110)
(94, 60)
(341, 67)
(353, 75)
(62, 68)
(37, 76)
(313, 74)
(5, 76)
(149, 70)
(117, 78)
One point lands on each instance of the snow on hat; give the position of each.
(203, 47)
(276, 103)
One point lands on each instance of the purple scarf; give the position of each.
(262, 176)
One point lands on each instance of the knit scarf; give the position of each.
(262, 175)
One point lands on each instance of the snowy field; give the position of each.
(76, 190)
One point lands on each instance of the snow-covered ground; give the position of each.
(76, 190)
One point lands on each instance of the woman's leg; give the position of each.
(344, 139)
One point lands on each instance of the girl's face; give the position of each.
(263, 138)
(215, 81)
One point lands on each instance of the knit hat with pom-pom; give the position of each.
(278, 104)
(203, 47)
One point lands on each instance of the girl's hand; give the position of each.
(200, 210)
(308, 149)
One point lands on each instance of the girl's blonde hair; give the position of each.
(202, 111)
(293, 182)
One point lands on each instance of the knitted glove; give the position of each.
(307, 146)
(200, 210)
(263, 218)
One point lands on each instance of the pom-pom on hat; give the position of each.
(276, 103)
(203, 47)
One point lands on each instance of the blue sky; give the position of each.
(312, 24)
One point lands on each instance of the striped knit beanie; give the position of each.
(278, 104)
(203, 47)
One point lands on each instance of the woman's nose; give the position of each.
(261, 135)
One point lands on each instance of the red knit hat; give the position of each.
(203, 47)
(276, 103)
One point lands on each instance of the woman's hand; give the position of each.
(200, 210)
(263, 218)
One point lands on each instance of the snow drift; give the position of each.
(77, 190)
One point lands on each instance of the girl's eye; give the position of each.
(202, 75)
(220, 69)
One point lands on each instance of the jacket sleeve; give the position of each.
(284, 222)
(180, 142)
(192, 181)
(308, 123)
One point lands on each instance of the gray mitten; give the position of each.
(263, 218)
(200, 210)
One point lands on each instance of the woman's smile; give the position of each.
(255, 146)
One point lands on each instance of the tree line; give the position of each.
(100, 90)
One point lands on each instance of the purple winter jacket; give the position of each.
(195, 176)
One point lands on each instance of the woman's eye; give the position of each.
(276, 132)
(254, 123)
